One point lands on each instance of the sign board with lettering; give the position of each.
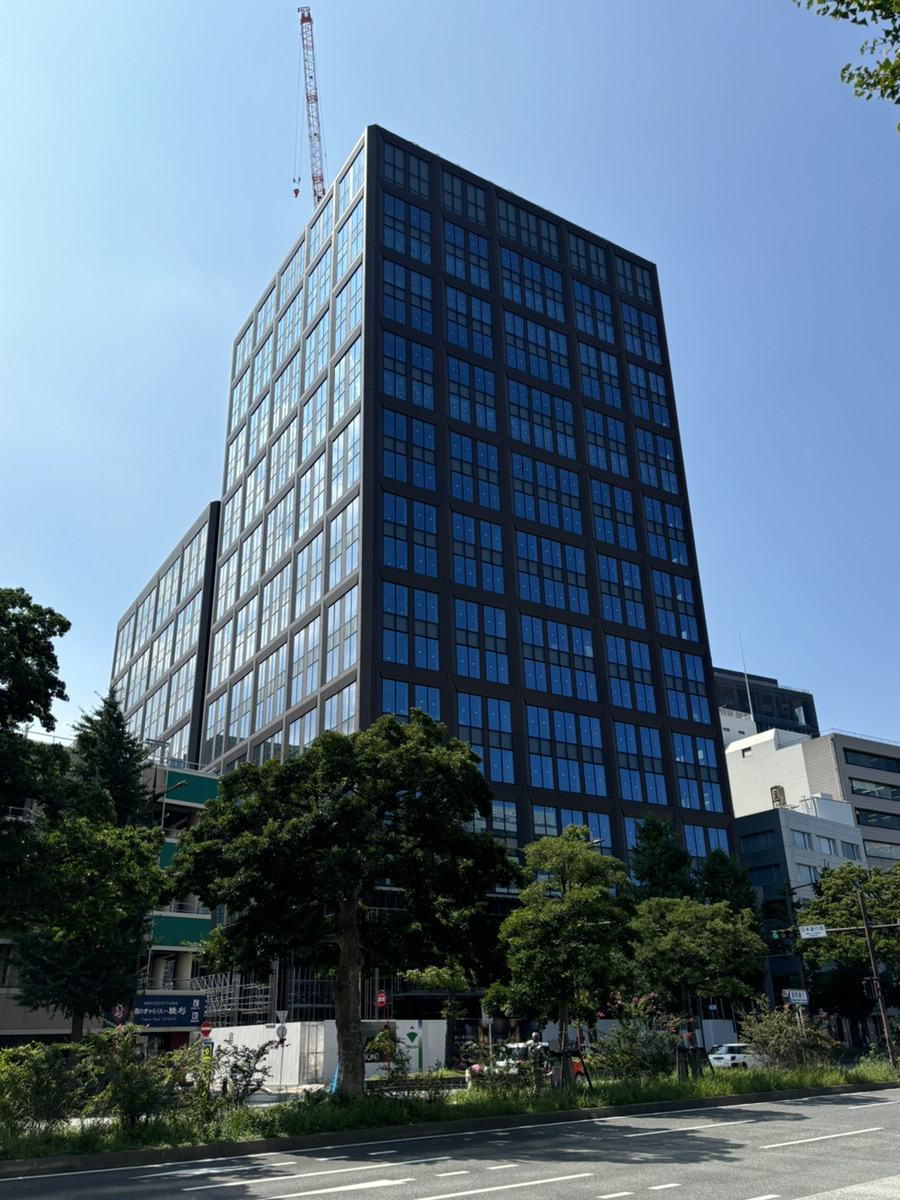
(812, 931)
(169, 1010)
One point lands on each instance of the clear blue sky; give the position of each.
(148, 154)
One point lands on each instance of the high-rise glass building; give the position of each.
(452, 480)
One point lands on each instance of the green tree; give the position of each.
(720, 877)
(568, 939)
(109, 756)
(449, 978)
(83, 952)
(684, 948)
(295, 850)
(659, 861)
(30, 771)
(784, 1042)
(835, 905)
(29, 682)
(882, 17)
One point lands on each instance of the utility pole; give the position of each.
(875, 978)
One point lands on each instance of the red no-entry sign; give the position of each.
(381, 999)
(206, 1029)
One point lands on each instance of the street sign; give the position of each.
(812, 931)
(797, 996)
(381, 999)
(281, 1032)
(281, 1015)
(205, 1029)
(169, 1010)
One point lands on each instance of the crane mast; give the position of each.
(313, 124)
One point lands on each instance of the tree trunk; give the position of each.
(77, 1031)
(567, 1076)
(346, 999)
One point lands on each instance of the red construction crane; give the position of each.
(316, 146)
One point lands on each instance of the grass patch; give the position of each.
(322, 1113)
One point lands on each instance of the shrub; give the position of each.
(37, 1089)
(119, 1081)
(784, 1040)
(641, 1044)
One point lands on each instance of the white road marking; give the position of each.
(503, 1167)
(374, 1152)
(347, 1187)
(824, 1138)
(661, 1187)
(769, 1196)
(876, 1104)
(503, 1187)
(447, 1174)
(407, 1162)
(689, 1128)
(614, 1195)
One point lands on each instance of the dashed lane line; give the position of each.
(825, 1137)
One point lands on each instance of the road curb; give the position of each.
(122, 1159)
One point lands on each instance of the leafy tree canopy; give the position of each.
(685, 948)
(659, 861)
(568, 939)
(295, 850)
(29, 682)
(836, 906)
(882, 78)
(720, 877)
(109, 755)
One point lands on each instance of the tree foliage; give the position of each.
(882, 17)
(719, 877)
(295, 850)
(568, 939)
(685, 948)
(836, 906)
(109, 756)
(783, 1041)
(29, 682)
(659, 861)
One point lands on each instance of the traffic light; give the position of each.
(778, 939)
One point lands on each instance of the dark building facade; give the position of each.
(774, 706)
(453, 480)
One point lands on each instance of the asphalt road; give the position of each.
(820, 1148)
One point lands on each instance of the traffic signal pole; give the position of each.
(875, 977)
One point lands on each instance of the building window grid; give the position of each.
(486, 724)
(214, 738)
(279, 530)
(648, 395)
(288, 330)
(531, 285)
(271, 686)
(275, 613)
(469, 322)
(343, 543)
(685, 683)
(634, 280)
(630, 674)
(291, 274)
(464, 199)
(593, 312)
(220, 659)
(240, 400)
(558, 658)
(305, 652)
(308, 575)
(641, 333)
(565, 751)
(316, 349)
(341, 634)
(287, 390)
(262, 367)
(552, 573)
(245, 630)
(587, 258)
(536, 349)
(606, 444)
(311, 496)
(620, 591)
(347, 382)
(599, 375)
(675, 608)
(539, 419)
(251, 560)
(481, 642)
(348, 308)
(474, 471)
(161, 653)
(340, 710)
(640, 763)
(697, 771)
(656, 460)
(350, 183)
(348, 243)
(242, 348)
(546, 494)
(408, 370)
(240, 711)
(471, 394)
(301, 732)
(187, 628)
(519, 225)
(665, 531)
(466, 256)
(613, 515)
(406, 229)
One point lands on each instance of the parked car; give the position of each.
(735, 1054)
